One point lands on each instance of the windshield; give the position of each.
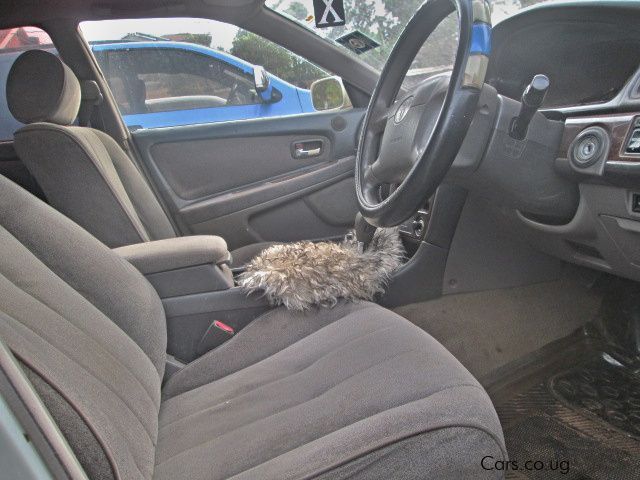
(383, 21)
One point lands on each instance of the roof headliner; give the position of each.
(36, 12)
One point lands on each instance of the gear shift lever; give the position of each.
(364, 232)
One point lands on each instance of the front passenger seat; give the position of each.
(350, 392)
(83, 172)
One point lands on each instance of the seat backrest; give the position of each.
(88, 329)
(83, 172)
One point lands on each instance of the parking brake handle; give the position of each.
(531, 100)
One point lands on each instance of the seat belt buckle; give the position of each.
(224, 327)
(217, 333)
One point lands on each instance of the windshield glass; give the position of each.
(383, 21)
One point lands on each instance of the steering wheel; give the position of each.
(410, 139)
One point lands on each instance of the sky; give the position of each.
(221, 33)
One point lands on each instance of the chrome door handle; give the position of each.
(307, 149)
(312, 152)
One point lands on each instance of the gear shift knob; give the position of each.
(364, 231)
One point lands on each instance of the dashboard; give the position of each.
(588, 52)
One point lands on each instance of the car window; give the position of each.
(182, 71)
(171, 78)
(383, 21)
(14, 41)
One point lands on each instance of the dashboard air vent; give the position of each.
(633, 144)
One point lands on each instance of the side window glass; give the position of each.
(176, 79)
(164, 79)
(13, 42)
(161, 76)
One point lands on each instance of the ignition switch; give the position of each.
(418, 226)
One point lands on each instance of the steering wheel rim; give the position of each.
(387, 147)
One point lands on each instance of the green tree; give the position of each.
(275, 59)
(385, 27)
(298, 11)
(199, 38)
(381, 21)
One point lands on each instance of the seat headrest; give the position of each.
(40, 88)
(138, 96)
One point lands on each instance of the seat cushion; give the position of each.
(334, 401)
(265, 336)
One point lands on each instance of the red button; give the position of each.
(224, 327)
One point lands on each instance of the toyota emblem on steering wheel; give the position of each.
(403, 109)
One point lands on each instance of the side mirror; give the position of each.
(329, 94)
(261, 83)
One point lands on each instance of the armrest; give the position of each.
(176, 253)
(182, 266)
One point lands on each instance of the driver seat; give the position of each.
(83, 172)
(350, 392)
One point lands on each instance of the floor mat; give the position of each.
(605, 389)
(489, 329)
(577, 423)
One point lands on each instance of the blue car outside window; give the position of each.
(164, 84)
(179, 109)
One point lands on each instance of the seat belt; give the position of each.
(91, 96)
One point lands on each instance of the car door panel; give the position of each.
(237, 163)
(272, 190)
(240, 179)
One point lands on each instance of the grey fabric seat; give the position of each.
(83, 172)
(350, 392)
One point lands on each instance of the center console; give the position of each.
(414, 230)
(203, 306)
(427, 237)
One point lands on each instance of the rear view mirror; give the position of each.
(329, 94)
(262, 84)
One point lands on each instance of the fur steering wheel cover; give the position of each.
(304, 274)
